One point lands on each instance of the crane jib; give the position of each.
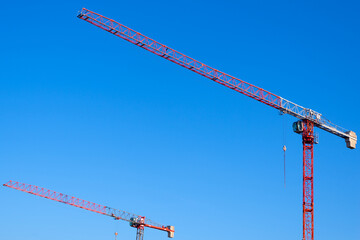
(90, 206)
(227, 80)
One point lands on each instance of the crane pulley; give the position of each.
(136, 221)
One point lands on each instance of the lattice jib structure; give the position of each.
(227, 80)
(137, 221)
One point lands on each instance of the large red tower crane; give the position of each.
(305, 126)
(136, 221)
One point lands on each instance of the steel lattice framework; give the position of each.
(236, 84)
(309, 117)
(137, 221)
(308, 183)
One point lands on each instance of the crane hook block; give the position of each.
(351, 140)
(171, 233)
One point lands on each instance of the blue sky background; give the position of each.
(90, 115)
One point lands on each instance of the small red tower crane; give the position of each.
(305, 126)
(136, 221)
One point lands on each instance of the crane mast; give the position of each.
(136, 221)
(305, 126)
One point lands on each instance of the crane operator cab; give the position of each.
(136, 221)
(298, 126)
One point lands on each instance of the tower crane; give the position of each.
(308, 118)
(135, 221)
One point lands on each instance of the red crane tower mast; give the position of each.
(305, 126)
(136, 221)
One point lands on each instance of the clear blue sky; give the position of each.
(91, 115)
